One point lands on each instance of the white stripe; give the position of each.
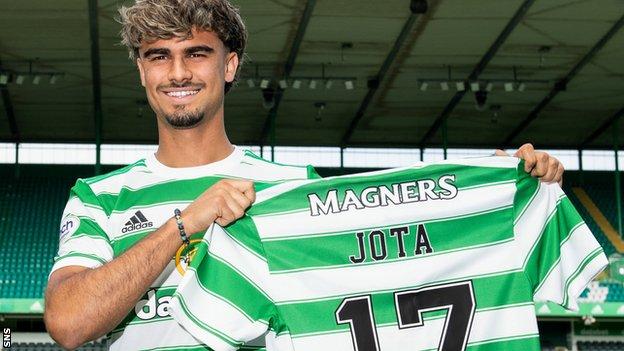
(214, 312)
(87, 245)
(491, 324)
(587, 275)
(573, 251)
(75, 261)
(466, 202)
(165, 333)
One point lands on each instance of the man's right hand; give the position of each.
(224, 202)
(83, 304)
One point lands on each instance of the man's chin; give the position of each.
(185, 121)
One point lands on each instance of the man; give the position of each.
(114, 272)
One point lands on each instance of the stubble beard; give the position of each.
(183, 119)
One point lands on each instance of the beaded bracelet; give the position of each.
(178, 218)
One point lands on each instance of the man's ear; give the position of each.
(139, 63)
(231, 65)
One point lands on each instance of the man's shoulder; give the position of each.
(260, 169)
(112, 181)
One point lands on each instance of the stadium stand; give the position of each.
(30, 210)
(600, 346)
(41, 346)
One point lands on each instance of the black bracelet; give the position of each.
(178, 219)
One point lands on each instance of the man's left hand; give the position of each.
(539, 163)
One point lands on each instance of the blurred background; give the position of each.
(346, 86)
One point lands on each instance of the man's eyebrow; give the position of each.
(194, 49)
(156, 51)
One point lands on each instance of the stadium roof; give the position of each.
(566, 54)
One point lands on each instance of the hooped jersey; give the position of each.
(444, 256)
(106, 215)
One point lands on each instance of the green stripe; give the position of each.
(444, 235)
(79, 254)
(89, 227)
(318, 316)
(85, 194)
(241, 291)
(546, 250)
(466, 176)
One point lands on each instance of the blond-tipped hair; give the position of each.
(149, 20)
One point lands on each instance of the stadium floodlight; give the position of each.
(509, 87)
(283, 84)
(349, 85)
(474, 86)
(461, 86)
(444, 86)
(328, 84)
(20, 79)
(36, 79)
(522, 87)
(312, 84)
(264, 83)
(53, 79)
(424, 86)
(296, 84)
(251, 83)
(489, 87)
(4, 78)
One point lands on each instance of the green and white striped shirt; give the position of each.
(443, 256)
(108, 214)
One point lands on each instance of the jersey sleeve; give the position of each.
(82, 237)
(559, 254)
(223, 299)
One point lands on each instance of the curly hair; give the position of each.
(164, 19)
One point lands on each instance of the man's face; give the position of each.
(184, 79)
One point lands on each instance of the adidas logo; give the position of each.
(136, 222)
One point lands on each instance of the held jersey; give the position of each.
(444, 256)
(106, 215)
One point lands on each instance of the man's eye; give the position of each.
(159, 57)
(196, 55)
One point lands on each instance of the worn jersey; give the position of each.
(443, 256)
(108, 214)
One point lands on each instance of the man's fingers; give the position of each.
(242, 200)
(528, 154)
(559, 175)
(244, 186)
(551, 171)
(541, 164)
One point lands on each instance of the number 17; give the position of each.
(456, 298)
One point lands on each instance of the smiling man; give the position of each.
(122, 253)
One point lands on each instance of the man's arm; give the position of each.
(83, 304)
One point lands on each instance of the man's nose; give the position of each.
(179, 71)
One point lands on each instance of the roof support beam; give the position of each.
(563, 82)
(96, 79)
(479, 68)
(603, 127)
(10, 112)
(269, 123)
(417, 7)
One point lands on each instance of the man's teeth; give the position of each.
(182, 93)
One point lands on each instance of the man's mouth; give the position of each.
(181, 93)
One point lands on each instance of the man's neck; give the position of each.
(204, 144)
